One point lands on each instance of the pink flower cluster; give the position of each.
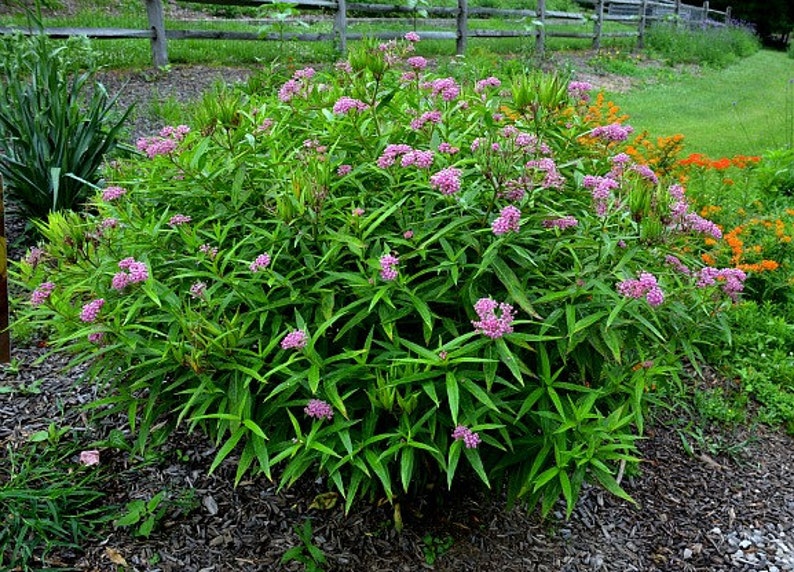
(489, 323)
(562, 223)
(165, 143)
(417, 158)
(319, 409)
(296, 85)
(446, 180)
(509, 220)
(696, 223)
(388, 267)
(645, 172)
(210, 251)
(265, 126)
(417, 62)
(578, 90)
(492, 81)
(732, 280)
(294, 340)
(42, 293)
(390, 154)
(613, 132)
(179, 219)
(260, 262)
(645, 286)
(412, 37)
(198, 289)
(516, 189)
(96, 337)
(90, 311)
(131, 272)
(447, 149)
(447, 88)
(601, 189)
(679, 266)
(469, 438)
(113, 193)
(427, 117)
(343, 170)
(346, 104)
(34, 256)
(553, 178)
(109, 222)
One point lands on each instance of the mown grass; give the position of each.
(737, 110)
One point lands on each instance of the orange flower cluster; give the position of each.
(747, 257)
(700, 160)
(660, 155)
(603, 112)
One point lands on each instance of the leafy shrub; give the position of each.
(712, 46)
(776, 172)
(56, 126)
(377, 272)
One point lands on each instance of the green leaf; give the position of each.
(473, 456)
(380, 471)
(406, 467)
(453, 396)
(227, 448)
(567, 492)
(610, 484)
(146, 527)
(452, 462)
(254, 428)
(478, 393)
(545, 477)
(514, 288)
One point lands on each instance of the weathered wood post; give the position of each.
(598, 24)
(677, 13)
(728, 15)
(5, 336)
(154, 10)
(643, 23)
(463, 27)
(540, 36)
(340, 25)
(706, 12)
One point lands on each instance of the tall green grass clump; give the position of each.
(711, 46)
(57, 125)
(388, 278)
(49, 504)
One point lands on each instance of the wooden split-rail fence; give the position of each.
(538, 23)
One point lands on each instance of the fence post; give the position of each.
(340, 25)
(154, 10)
(599, 19)
(643, 23)
(728, 15)
(706, 11)
(540, 38)
(5, 336)
(677, 13)
(463, 27)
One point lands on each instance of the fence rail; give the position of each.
(636, 13)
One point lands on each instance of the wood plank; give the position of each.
(96, 33)
(300, 5)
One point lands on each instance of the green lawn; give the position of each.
(743, 109)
